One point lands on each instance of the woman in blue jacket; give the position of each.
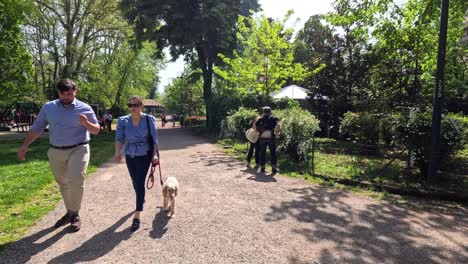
(139, 132)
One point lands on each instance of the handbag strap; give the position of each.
(147, 125)
(153, 167)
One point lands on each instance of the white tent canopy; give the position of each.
(291, 91)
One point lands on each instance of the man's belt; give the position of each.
(68, 147)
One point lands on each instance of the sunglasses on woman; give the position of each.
(133, 105)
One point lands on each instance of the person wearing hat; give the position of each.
(268, 126)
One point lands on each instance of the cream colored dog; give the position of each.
(170, 190)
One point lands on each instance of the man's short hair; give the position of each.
(66, 85)
(266, 110)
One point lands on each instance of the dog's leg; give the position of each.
(173, 207)
(165, 203)
(165, 199)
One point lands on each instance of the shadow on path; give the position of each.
(98, 246)
(159, 224)
(22, 250)
(377, 233)
(259, 176)
(216, 157)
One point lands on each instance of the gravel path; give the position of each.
(228, 213)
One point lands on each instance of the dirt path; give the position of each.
(228, 213)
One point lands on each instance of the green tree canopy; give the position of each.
(185, 94)
(195, 28)
(264, 61)
(15, 61)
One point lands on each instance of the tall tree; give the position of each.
(185, 94)
(264, 61)
(74, 30)
(404, 47)
(120, 72)
(344, 65)
(195, 28)
(15, 61)
(92, 42)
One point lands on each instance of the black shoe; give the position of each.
(262, 170)
(135, 224)
(274, 170)
(75, 223)
(63, 221)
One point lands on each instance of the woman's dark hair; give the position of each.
(66, 85)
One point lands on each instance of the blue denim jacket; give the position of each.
(136, 137)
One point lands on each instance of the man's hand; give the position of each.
(277, 130)
(22, 153)
(83, 120)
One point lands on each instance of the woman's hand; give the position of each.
(118, 157)
(155, 160)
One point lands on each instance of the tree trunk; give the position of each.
(206, 64)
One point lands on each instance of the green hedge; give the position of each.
(297, 128)
(360, 127)
(368, 128)
(463, 119)
(237, 122)
(414, 129)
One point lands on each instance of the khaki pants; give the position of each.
(69, 169)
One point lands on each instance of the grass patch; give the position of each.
(338, 161)
(27, 188)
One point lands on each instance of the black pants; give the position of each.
(138, 168)
(271, 144)
(254, 147)
(109, 125)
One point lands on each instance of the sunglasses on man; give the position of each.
(133, 105)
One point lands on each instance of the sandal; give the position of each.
(135, 224)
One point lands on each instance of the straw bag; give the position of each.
(251, 135)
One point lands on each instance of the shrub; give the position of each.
(238, 122)
(297, 128)
(361, 127)
(257, 101)
(463, 119)
(387, 127)
(285, 103)
(190, 121)
(368, 128)
(414, 132)
(221, 105)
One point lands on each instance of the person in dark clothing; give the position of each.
(269, 127)
(163, 120)
(254, 147)
(109, 119)
(181, 120)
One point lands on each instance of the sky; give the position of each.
(303, 9)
